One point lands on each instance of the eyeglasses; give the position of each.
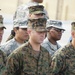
(59, 30)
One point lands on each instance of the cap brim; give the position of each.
(22, 26)
(56, 27)
(38, 12)
(15, 26)
(3, 27)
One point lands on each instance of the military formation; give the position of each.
(32, 47)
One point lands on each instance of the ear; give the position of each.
(73, 34)
(15, 30)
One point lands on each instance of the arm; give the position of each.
(13, 65)
(58, 63)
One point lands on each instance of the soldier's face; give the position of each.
(55, 33)
(1, 33)
(22, 34)
(37, 37)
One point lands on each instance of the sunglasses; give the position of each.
(59, 30)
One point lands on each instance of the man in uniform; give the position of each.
(2, 55)
(31, 58)
(63, 61)
(54, 34)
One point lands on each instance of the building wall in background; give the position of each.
(65, 11)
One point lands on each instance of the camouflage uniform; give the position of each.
(49, 46)
(25, 60)
(2, 61)
(12, 44)
(52, 48)
(63, 61)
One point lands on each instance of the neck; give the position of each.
(52, 41)
(19, 40)
(34, 45)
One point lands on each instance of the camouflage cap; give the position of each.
(23, 11)
(54, 23)
(37, 24)
(73, 25)
(21, 23)
(1, 22)
(36, 9)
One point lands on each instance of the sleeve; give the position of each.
(58, 63)
(13, 65)
(3, 59)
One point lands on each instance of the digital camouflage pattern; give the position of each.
(23, 11)
(63, 61)
(2, 61)
(37, 24)
(36, 9)
(1, 22)
(23, 61)
(50, 47)
(21, 23)
(55, 23)
(73, 25)
(10, 46)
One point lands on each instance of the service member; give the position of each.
(31, 58)
(21, 35)
(63, 61)
(54, 34)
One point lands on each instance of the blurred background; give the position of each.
(63, 10)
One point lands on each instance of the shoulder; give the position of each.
(8, 42)
(45, 54)
(63, 51)
(2, 55)
(21, 48)
(19, 52)
(44, 50)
